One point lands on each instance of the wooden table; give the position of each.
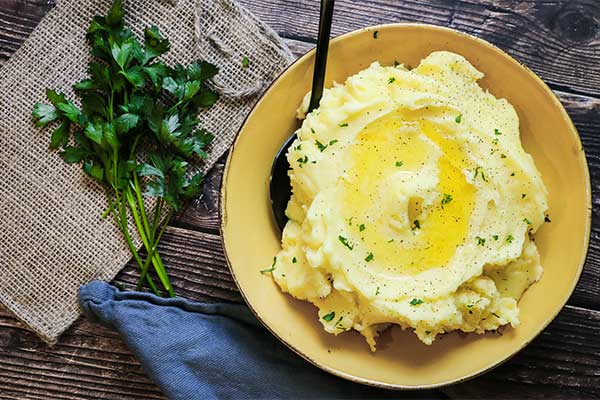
(558, 39)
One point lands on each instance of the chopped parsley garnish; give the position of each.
(479, 171)
(332, 142)
(329, 317)
(495, 142)
(399, 163)
(523, 195)
(245, 62)
(495, 237)
(361, 227)
(528, 222)
(428, 332)
(417, 224)
(303, 160)
(510, 238)
(294, 260)
(337, 324)
(497, 132)
(345, 242)
(264, 271)
(377, 291)
(391, 80)
(480, 241)
(447, 199)
(369, 257)
(375, 34)
(390, 241)
(502, 155)
(416, 302)
(396, 63)
(343, 125)
(470, 305)
(495, 315)
(547, 218)
(312, 130)
(458, 118)
(299, 147)
(513, 174)
(350, 221)
(320, 145)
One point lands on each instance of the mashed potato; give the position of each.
(413, 204)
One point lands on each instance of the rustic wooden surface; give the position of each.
(558, 39)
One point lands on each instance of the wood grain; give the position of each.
(559, 40)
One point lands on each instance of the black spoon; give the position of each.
(280, 186)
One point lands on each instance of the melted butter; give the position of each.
(395, 145)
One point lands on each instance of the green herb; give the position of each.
(361, 227)
(343, 125)
(480, 241)
(495, 315)
(396, 63)
(369, 257)
(320, 145)
(399, 163)
(245, 62)
(345, 242)
(458, 118)
(547, 218)
(332, 142)
(495, 142)
(302, 160)
(377, 291)
(337, 324)
(470, 305)
(428, 332)
(497, 132)
(528, 222)
(510, 238)
(417, 224)
(294, 260)
(329, 317)
(523, 195)
(264, 271)
(513, 174)
(502, 155)
(495, 237)
(390, 241)
(132, 101)
(447, 199)
(479, 171)
(391, 80)
(350, 221)
(375, 34)
(416, 302)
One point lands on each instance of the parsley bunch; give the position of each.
(136, 131)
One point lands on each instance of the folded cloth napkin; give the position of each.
(213, 351)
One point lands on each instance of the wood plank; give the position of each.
(558, 40)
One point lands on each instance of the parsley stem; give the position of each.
(122, 224)
(156, 261)
(153, 250)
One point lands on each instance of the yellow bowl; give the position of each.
(251, 237)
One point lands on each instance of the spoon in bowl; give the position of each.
(280, 186)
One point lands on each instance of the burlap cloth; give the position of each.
(52, 239)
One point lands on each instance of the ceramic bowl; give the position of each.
(251, 237)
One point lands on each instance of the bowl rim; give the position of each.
(544, 325)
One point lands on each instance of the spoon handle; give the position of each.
(321, 56)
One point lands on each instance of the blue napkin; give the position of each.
(212, 351)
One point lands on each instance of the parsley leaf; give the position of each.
(264, 271)
(329, 317)
(345, 242)
(416, 302)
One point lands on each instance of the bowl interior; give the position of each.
(251, 237)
